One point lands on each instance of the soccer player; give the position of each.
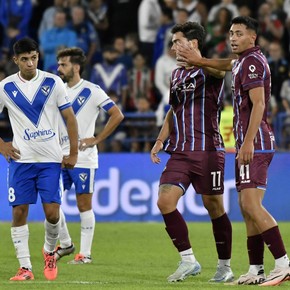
(87, 100)
(254, 147)
(34, 99)
(197, 156)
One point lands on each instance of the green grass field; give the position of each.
(129, 256)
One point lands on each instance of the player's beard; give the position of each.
(66, 78)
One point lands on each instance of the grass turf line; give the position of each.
(130, 256)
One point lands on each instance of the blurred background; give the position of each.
(127, 43)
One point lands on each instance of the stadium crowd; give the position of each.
(127, 44)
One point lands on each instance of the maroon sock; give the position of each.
(273, 240)
(177, 230)
(222, 231)
(255, 245)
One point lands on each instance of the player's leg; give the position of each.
(48, 185)
(83, 179)
(222, 231)
(210, 183)
(21, 193)
(259, 220)
(66, 246)
(173, 184)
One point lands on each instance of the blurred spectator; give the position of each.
(131, 43)
(47, 21)
(142, 128)
(16, 14)
(223, 4)
(111, 75)
(285, 127)
(125, 58)
(149, 15)
(123, 17)
(245, 10)
(226, 127)
(55, 38)
(166, 23)
(98, 14)
(87, 37)
(279, 70)
(140, 83)
(272, 21)
(217, 30)
(163, 69)
(181, 16)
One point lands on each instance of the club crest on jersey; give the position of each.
(81, 100)
(252, 75)
(45, 90)
(83, 176)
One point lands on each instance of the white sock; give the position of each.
(87, 231)
(51, 236)
(282, 262)
(64, 236)
(20, 236)
(187, 256)
(254, 269)
(223, 263)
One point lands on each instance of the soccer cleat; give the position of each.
(184, 270)
(60, 252)
(223, 274)
(276, 277)
(22, 275)
(252, 279)
(80, 259)
(50, 268)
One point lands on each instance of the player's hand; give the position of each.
(187, 54)
(69, 161)
(156, 148)
(8, 151)
(246, 153)
(87, 143)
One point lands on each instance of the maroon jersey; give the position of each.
(195, 99)
(250, 71)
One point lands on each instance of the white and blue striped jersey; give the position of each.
(34, 111)
(87, 100)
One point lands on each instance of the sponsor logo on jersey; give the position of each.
(252, 75)
(39, 135)
(83, 176)
(14, 93)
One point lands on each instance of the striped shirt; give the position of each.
(250, 71)
(196, 99)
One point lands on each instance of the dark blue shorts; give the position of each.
(27, 180)
(82, 178)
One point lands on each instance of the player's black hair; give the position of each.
(76, 54)
(25, 45)
(249, 22)
(191, 30)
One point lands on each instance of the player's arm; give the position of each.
(8, 151)
(162, 136)
(72, 130)
(246, 152)
(116, 117)
(191, 56)
(219, 74)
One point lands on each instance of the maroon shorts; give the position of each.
(253, 175)
(203, 169)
